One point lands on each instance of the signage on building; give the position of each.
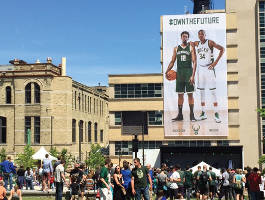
(195, 75)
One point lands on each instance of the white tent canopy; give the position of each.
(195, 168)
(40, 155)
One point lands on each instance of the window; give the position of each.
(3, 130)
(94, 106)
(27, 127)
(96, 132)
(79, 102)
(155, 118)
(101, 136)
(117, 118)
(73, 130)
(36, 93)
(37, 130)
(75, 100)
(138, 90)
(123, 148)
(28, 93)
(8, 95)
(89, 131)
(85, 103)
(81, 130)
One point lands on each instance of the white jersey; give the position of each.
(204, 54)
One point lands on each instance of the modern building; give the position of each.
(141, 95)
(58, 111)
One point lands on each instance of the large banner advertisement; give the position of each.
(195, 75)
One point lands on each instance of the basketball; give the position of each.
(171, 75)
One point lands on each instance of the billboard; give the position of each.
(195, 75)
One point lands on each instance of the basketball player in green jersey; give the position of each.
(186, 58)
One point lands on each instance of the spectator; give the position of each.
(119, 190)
(104, 184)
(161, 182)
(181, 189)
(203, 178)
(173, 187)
(139, 181)
(254, 180)
(238, 184)
(29, 178)
(188, 177)
(212, 184)
(15, 194)
(57, 162)
(59, 180)
(195, 181)
(20, 177)
(2, 191)
(126, 174)
(47, 171)
(151, 173)
(74, 186)
(8, 171)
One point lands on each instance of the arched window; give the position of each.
(36, 93)
(73, 130)
(28, 93)
(81, 123)
(96, 132)
(2, 130)
(89, 131)
(8, 95)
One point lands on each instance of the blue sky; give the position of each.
(98, 37)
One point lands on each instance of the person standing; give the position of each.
(20, 177)
(196, 182)
(173, 187)
(118, 191)
(59, 180)
(186, 68)
(238, 184)
(8, 171)
(29, 178)
(204, 177)
(47, 172)
(104, 184)
(254, 180)
(140, 174)
(127, 176)
(212, 184)
(188, 177)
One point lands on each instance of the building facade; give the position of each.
(58, 111)
(143, 93)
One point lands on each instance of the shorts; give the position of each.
(206, 78)
(82, 188)
(203, 189)
(46, 176)
(212, 188)
(183, 84)
(238, 191)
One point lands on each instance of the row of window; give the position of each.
(88, 129)
(84, 103)
(154, 118)
(125, 147)
(138, 90)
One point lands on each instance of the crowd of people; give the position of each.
(131, 181)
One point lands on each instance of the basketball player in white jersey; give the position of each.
(206, 73)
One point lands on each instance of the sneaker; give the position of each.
(203, 116)
(178, 118)
(192, 118)
(217, 118)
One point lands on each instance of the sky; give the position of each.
(97, 37)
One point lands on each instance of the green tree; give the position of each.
(2, 154)
(54, 152)
(95, 157)
(25, 158)
(261, 111)
(68, 157)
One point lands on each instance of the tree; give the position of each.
(95, 158)
(68, 157)
(54, 152)
(2, 154)
(25, 158)
(261, 111)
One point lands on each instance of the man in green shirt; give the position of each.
(204, 177)
(196, 182)
(212, 184)
(140, 174)
(186, 68)
(104, 184)
(181, 189)
(188, 182)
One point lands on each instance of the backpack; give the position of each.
(231, 178)
(204, 178)
(238, 184)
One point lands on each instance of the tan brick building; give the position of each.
(245, 80)
(59, 111)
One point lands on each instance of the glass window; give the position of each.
(117, 118)
(27, 127)
(36, 93)
(3, 127)
(89, 132)
(73, 130)
(155, 118)
(96, 132)
(37, 130)
(101, 136)
(81, 123)
(28, 93)
(8, 95)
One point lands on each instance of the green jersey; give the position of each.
(184, 57)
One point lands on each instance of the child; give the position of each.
(74, 188)
(52, 182)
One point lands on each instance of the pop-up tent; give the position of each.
(40, 155)
(195, 168)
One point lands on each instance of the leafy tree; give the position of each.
(2, 154)
(68, 157)
(96, 157)
(54, 152)
(261, 111)
(25, 158)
